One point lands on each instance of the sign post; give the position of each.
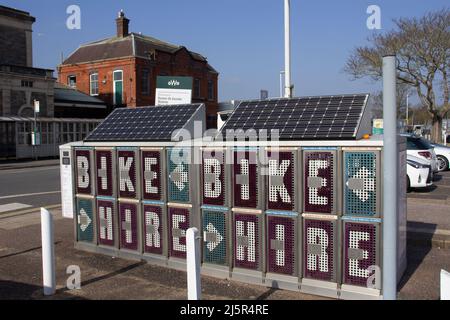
(173, 90)
(35, 137)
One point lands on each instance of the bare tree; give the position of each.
(422, 49)
(376, 102)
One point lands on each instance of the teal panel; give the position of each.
(360, 183)
(214, 237)
(178, 182)
(85, 220)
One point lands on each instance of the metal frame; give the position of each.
(296, 282)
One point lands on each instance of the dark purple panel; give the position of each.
(314, 201)
(83, 171)
(106, 224)
(288, 181)
(319, 233)
(178, 225)
(103, 172)
(365, 243)
(128, 226)
(125, 190)
(209, 197)
(281, 231)
(153, 228)
(155, 182)
(247, 198)
(246, 241)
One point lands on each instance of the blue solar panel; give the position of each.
(144, 123)
(305, 118)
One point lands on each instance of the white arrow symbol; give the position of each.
(84, 220)
(213, 244)
(183, 177)
(369, 184)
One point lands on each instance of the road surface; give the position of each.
(29, 187)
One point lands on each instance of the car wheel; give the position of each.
(442, 163)
(408, 184)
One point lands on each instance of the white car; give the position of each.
(442, 155)
(418, 173)
(421, 148)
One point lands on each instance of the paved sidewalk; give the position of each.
(19, 164)
(105, 277)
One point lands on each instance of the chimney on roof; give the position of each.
(122, 25)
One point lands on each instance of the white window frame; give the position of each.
(91, 82)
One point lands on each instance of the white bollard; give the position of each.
(48, 253)
(193, 264)
(445, 285)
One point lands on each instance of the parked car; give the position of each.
(442, 155)
(421, 148)
(418, 173)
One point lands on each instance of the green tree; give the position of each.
(422, 49)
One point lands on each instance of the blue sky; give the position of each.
(243, 40)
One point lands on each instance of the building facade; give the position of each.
(21, 84)
(122, 70)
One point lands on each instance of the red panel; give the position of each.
(151, 175)
(127, 174)
(104, 172)
(245, 179)
(83, 170)
(213, 178)
(281, 197)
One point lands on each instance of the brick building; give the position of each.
(122, 70)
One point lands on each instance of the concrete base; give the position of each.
(248, 276)
(320, 288)
(216, 271)
(349, 292)
(177, 264)
(281, 281)
(129, 255)
(155, 259)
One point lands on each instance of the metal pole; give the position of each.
(48, 253)
(407, 109)
(281, 84)
(193, 264)
(390, 183)
(287, 50)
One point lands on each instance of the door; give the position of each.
(118, 87)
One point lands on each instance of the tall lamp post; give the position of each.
(281, 84)
(287, 50)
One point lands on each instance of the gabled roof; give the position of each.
(133, 45)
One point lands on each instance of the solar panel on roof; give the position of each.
(144, 123)
(305, 118)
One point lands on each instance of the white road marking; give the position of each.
(13, 207)
(28, 194)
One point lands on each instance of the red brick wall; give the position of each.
(179, 64)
